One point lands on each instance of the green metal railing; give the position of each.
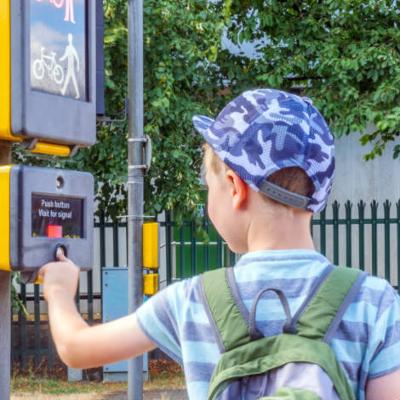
(191, 251)
(360, 236)
(365, 236)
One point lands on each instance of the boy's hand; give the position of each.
(79, 345)
(59, 277)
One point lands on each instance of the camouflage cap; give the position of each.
(265, 130)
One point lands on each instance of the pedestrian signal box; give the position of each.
(41, 210)
(48, 73)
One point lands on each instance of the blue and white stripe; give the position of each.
(367, 342)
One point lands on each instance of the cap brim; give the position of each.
(202, 125)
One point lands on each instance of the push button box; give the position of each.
(48, 59)
(41, 210)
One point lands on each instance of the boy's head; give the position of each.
(278, 143)
(293, 179)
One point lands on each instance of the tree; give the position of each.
(345, 55)
(181, 46)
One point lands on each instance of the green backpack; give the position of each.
(298, 364)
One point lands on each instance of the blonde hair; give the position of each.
(293, 179)
(211, 162)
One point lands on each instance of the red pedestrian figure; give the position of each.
(69, 11)
(69, 8)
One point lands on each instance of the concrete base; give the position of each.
(120, 376)
(75, 375)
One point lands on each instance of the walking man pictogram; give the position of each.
(72, 57)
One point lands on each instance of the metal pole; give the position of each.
(5, 309)
(135, 180)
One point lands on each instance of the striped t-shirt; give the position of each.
(366, 343)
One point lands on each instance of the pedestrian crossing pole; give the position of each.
(5, 308)
(136, 170)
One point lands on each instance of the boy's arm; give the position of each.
(78, 344)
(386, 387)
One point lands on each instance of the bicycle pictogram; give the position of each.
(47, 63)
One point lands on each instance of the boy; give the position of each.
(269, 162)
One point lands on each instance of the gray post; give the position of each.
(135, 180)
(5, 309)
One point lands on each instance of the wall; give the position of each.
(357, 179)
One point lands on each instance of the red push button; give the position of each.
(54, 231)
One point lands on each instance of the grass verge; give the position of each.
(164, 375)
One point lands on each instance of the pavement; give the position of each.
(148, 395)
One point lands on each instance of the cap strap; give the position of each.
(284, 196)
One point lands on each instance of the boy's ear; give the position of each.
(238, 189)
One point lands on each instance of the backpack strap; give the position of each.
(318, 317)
(291, 328)
(224, 308)
(325, 310)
